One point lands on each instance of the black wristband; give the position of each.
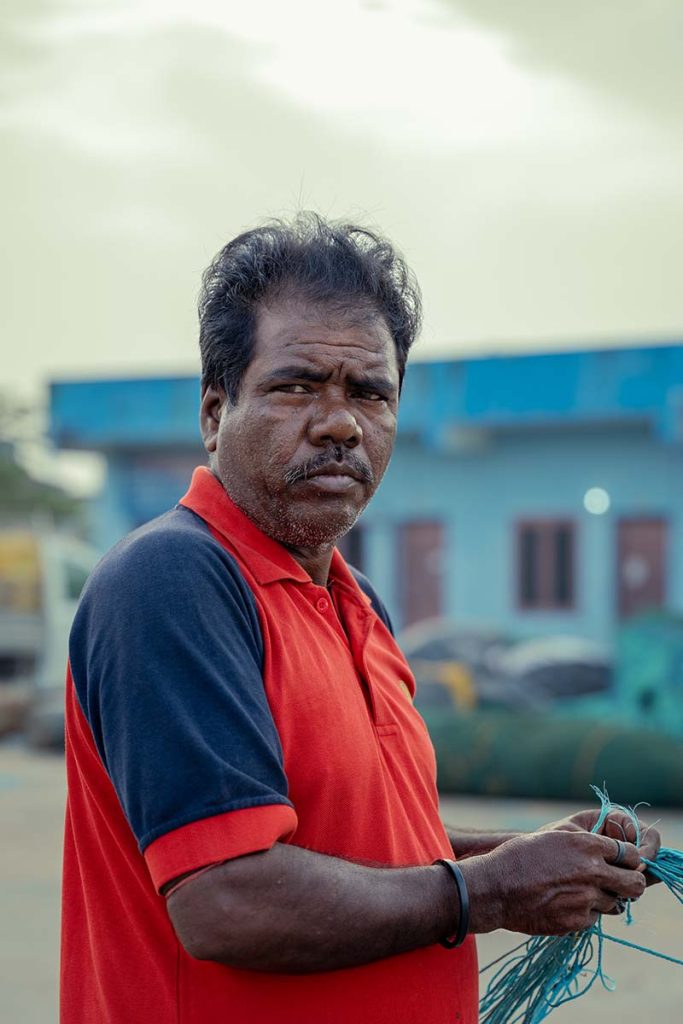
(464, 920)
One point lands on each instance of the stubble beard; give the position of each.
(294, 528)
(287, 520)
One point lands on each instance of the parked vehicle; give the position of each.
(41, 578)
(554, 670)
(480, 667)
(458, 667)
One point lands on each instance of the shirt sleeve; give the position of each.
(166, 657)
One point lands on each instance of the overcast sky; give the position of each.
(527, 157)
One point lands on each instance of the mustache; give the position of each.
(358, 467)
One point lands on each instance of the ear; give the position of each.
(210, 411)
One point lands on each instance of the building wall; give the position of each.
(480, 495)
(482, 444)
(139, 486)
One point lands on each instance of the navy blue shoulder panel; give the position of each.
(166, 655)
(375, 600)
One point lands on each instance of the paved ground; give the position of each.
(31, 805)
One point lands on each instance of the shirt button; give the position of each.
(322, 604)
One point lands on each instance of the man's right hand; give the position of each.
(550, 883)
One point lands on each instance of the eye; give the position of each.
(292, 389)
(368, 395)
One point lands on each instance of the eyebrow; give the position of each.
(370, 382)
(295, 372)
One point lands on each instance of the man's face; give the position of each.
(306, 444)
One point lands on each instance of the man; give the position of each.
(252, 826)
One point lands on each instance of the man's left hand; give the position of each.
(617, 825)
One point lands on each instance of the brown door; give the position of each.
(641, 565)
(422, 564)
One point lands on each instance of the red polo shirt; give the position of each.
(219, 701)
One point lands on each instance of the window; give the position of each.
(545, 564)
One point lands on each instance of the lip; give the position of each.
(333, 479)
(335, 483)
(334, 469)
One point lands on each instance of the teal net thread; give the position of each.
(643, 949)
(552, 970)
(668, 868)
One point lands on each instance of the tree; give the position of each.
(23, 498)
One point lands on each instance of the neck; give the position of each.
(316, 561)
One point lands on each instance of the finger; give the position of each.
(619, 853)
(629, 885)
(650, 843)
(609, 903)
(618, 908)
(650, 879)
(620, 826)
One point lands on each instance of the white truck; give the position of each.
(41, 578)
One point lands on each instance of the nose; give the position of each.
(335, 424)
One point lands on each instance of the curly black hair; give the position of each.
(341, 265)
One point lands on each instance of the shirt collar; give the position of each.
(266, 559)
(343, 579)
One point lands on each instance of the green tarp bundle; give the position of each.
(502, 753)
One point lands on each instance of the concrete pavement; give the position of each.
(32, 805)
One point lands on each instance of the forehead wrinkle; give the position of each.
(370, 346)
(342, 362)
(333, 345)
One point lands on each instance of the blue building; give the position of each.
(534, 493)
